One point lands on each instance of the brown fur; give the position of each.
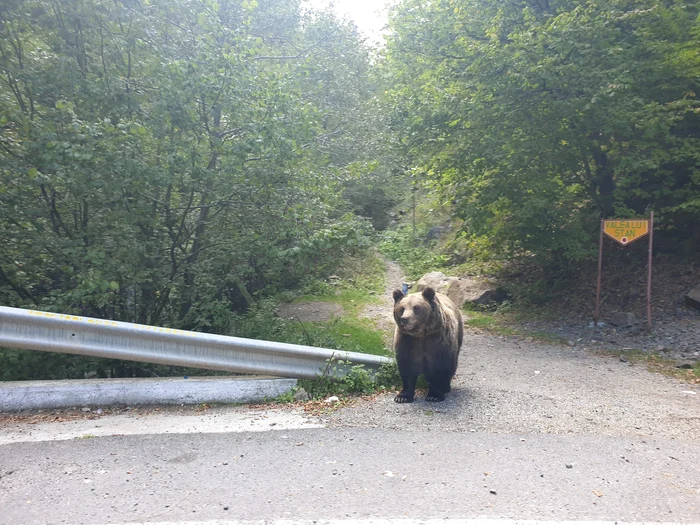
(427, 341)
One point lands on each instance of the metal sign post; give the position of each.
(625, 231)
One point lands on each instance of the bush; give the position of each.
(406, 249)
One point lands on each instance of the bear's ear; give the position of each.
(429, 294)
(398, 295)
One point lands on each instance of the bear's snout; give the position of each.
(404, 321)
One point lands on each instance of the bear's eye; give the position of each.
(416, 310)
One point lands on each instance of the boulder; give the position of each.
(301, 395)
(692, 298)
(494, 295)
(436, 280)
(463, 289)
(623, 319)
(435, 233)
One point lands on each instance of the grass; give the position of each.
(656, 362)
(499, 324)
(357, 381)
(414, 256)
(351, 299)
(344, 333)
(358, 282)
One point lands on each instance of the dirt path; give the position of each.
(382, 313)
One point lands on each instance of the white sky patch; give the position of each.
(369, 15)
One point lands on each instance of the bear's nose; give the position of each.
(404, 321)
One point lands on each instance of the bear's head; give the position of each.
(414, 313)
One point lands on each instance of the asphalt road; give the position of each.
(530, 432)
(348, 473)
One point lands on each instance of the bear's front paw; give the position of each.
(403, 398)
(435, 396)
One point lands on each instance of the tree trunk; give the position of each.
(604, 181)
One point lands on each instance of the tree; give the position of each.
(542, 117)
(165, 162)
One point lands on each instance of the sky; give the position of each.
(369, 15)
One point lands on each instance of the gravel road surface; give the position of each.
(508, 385)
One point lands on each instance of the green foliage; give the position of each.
(415, 257)
(501, 323)
(356, 380)
(372, 193)
(387, 377)
(287, 397)
(352, 335)
(171, 163)
(539, 118)
(355, 282)
(483, 321)
(26, 365)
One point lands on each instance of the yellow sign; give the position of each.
(625, 231)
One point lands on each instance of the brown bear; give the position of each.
(427, 340)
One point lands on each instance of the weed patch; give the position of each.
(656, 363)
(414, 257)
(358, 282)
(500, 325)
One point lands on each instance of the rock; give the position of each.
(436, 233)
(685, 364)
(463, 289)
(301, 395)
(624, 319)
(433, 279)
(332, 399)
(495, 295)
(692, 298)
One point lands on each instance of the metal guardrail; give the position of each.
(50, 332)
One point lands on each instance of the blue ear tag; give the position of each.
(404, 288)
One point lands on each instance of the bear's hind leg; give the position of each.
(439, 384)
(435, 396)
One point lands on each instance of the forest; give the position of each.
(188, 163)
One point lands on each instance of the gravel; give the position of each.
(508, 385)
(675, 334)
